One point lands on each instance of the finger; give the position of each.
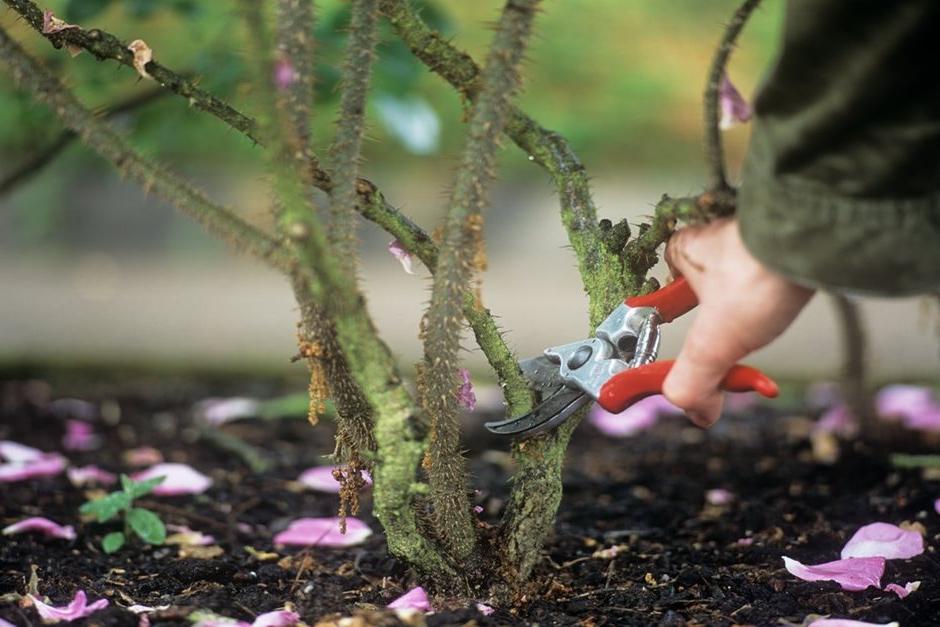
(675, 251)
(708, 353)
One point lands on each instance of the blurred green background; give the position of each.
(92, 268)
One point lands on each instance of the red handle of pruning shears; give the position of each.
(627, 387)
(672, 301)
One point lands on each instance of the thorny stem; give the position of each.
(357, 72)
(104, 45)
(599, 268)
(412, 237)
(714, 152)
(325, 359)
(398, 435)
(460, 258)
(95, 133)
(44, 156)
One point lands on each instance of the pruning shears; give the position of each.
(617, 367)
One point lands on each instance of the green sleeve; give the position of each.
(841, 185)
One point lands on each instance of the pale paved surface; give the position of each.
(220, 311)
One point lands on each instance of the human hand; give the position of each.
(743, 306)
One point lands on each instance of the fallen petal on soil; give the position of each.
(218, 411)
(89, 474)
(79, 436)
(78, 608)
(277, 618)
(884, 540)
(180, 479)
(852, 574)
(16, 452)
(47, 465)
(323, 532)
(142, 456)
(719, 496)
(636, 418)
(848, 622)
(414, 599)
(42, 525)
(902, 592)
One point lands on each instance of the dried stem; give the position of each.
(714, 152)
(357, 72)
(457, 262)
(96, 134)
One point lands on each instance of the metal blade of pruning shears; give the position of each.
(559, 400)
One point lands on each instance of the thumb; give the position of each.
(707, 355)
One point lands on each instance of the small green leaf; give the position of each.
(137, 489)
(147, 525)
(107, 507)
(127, 484)
(112, 542)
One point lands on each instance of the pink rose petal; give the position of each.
(485, 609)
(284, 73)
(848, 622)
(180, 479)
(218, 411)
(916, 407)
(465, 395)
(277, 618)
(43, 526)
(321, 478)
(884, 540)
(734, 108)
(636, 418)
(49, 465)
(16, 452)
(142, 456)
(6, 623)
(323, 532)
(912, 586)
(78, 608)
(719, 496)
(414, 599)
(838, 420)
(903, 400)
(79, 436)
(403, 256)
(852, 574)
(936, 506)
(89, 475)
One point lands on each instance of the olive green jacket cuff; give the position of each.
(841, 185)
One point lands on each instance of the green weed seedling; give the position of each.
(143, 522)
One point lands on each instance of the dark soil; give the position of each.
(681, 561)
